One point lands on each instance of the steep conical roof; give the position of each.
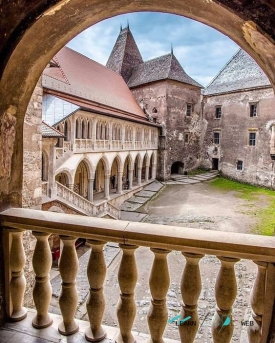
(125, 55)
(241, 72)
(160, 68)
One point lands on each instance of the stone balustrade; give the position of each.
(228, 247)
(93, 210)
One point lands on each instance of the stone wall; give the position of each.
(234, 127)
(166, 102)
(31, 192)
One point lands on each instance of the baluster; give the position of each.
(257, 303)
(42, 291)
(126, 308)
(225, 293)
(96, 272)
(190, 291)
(68, 267)
(18, 281)
(159, 284)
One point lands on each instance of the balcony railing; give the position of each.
(193, 244)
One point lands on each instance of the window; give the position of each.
(218, 113)
(252, 138)
(188, 110)
(239, 165)
(253, 110)
(216, 137)
(186, 138)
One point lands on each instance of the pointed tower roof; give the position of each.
(160, 68)
(125, 54)
(241, 72)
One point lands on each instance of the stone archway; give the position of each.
(81, 180)
(26, 24)
(177, 168)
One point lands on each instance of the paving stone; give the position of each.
(129, 206)
(145, 194)
(139, 200)
(154, 186)
(132, 216)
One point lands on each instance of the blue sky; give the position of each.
(201, 50)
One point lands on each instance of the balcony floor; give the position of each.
(24, 332)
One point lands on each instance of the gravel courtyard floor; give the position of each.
(195, 206)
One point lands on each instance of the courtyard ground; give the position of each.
(215, 205)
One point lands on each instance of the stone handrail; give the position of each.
(193, 243)
(96, 210)
(75, 199)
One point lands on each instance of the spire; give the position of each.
(120, 27)
(128, 27)
(172, 52)
(125, 55)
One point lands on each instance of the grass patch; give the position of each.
(265, 216)
(197, 171)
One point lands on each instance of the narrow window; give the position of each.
(216, 137)
(253, 110)
(252, 138)
(188, 110)
(239, 165)
(186, 138)
(218, 113)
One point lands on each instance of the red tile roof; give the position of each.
(79, 76)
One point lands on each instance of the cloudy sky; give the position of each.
(201, 50)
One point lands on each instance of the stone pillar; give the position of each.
(190, 291)
(70, 186)
(119, 183)
(225, 293)
(126, 308)
(107, 187)
(159, 283)
(146, 173)
(154, 170)
(96, 272)
(257, 303)
(18, 280)
(139, 176)
(91, 190)
(51, 169)
(130, 178)
(42, 292)
(122, 136)
(68, 299)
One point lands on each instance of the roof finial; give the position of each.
(120, 27)
(128, 24)
(172, 52)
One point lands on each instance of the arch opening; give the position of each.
(177, 168)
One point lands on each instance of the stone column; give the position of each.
(42, 291)
(68, 299)
(257, 303)
(119, 183)
(190, 291)
(107, 187)
(91, 190)
(146, 173)
(96, 272)
(126, 308)
(154, 170)
(159, 283)
(225, 293)
(139, 176)
(18, 281)
(130, 178)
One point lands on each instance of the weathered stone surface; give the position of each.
(145, 194)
